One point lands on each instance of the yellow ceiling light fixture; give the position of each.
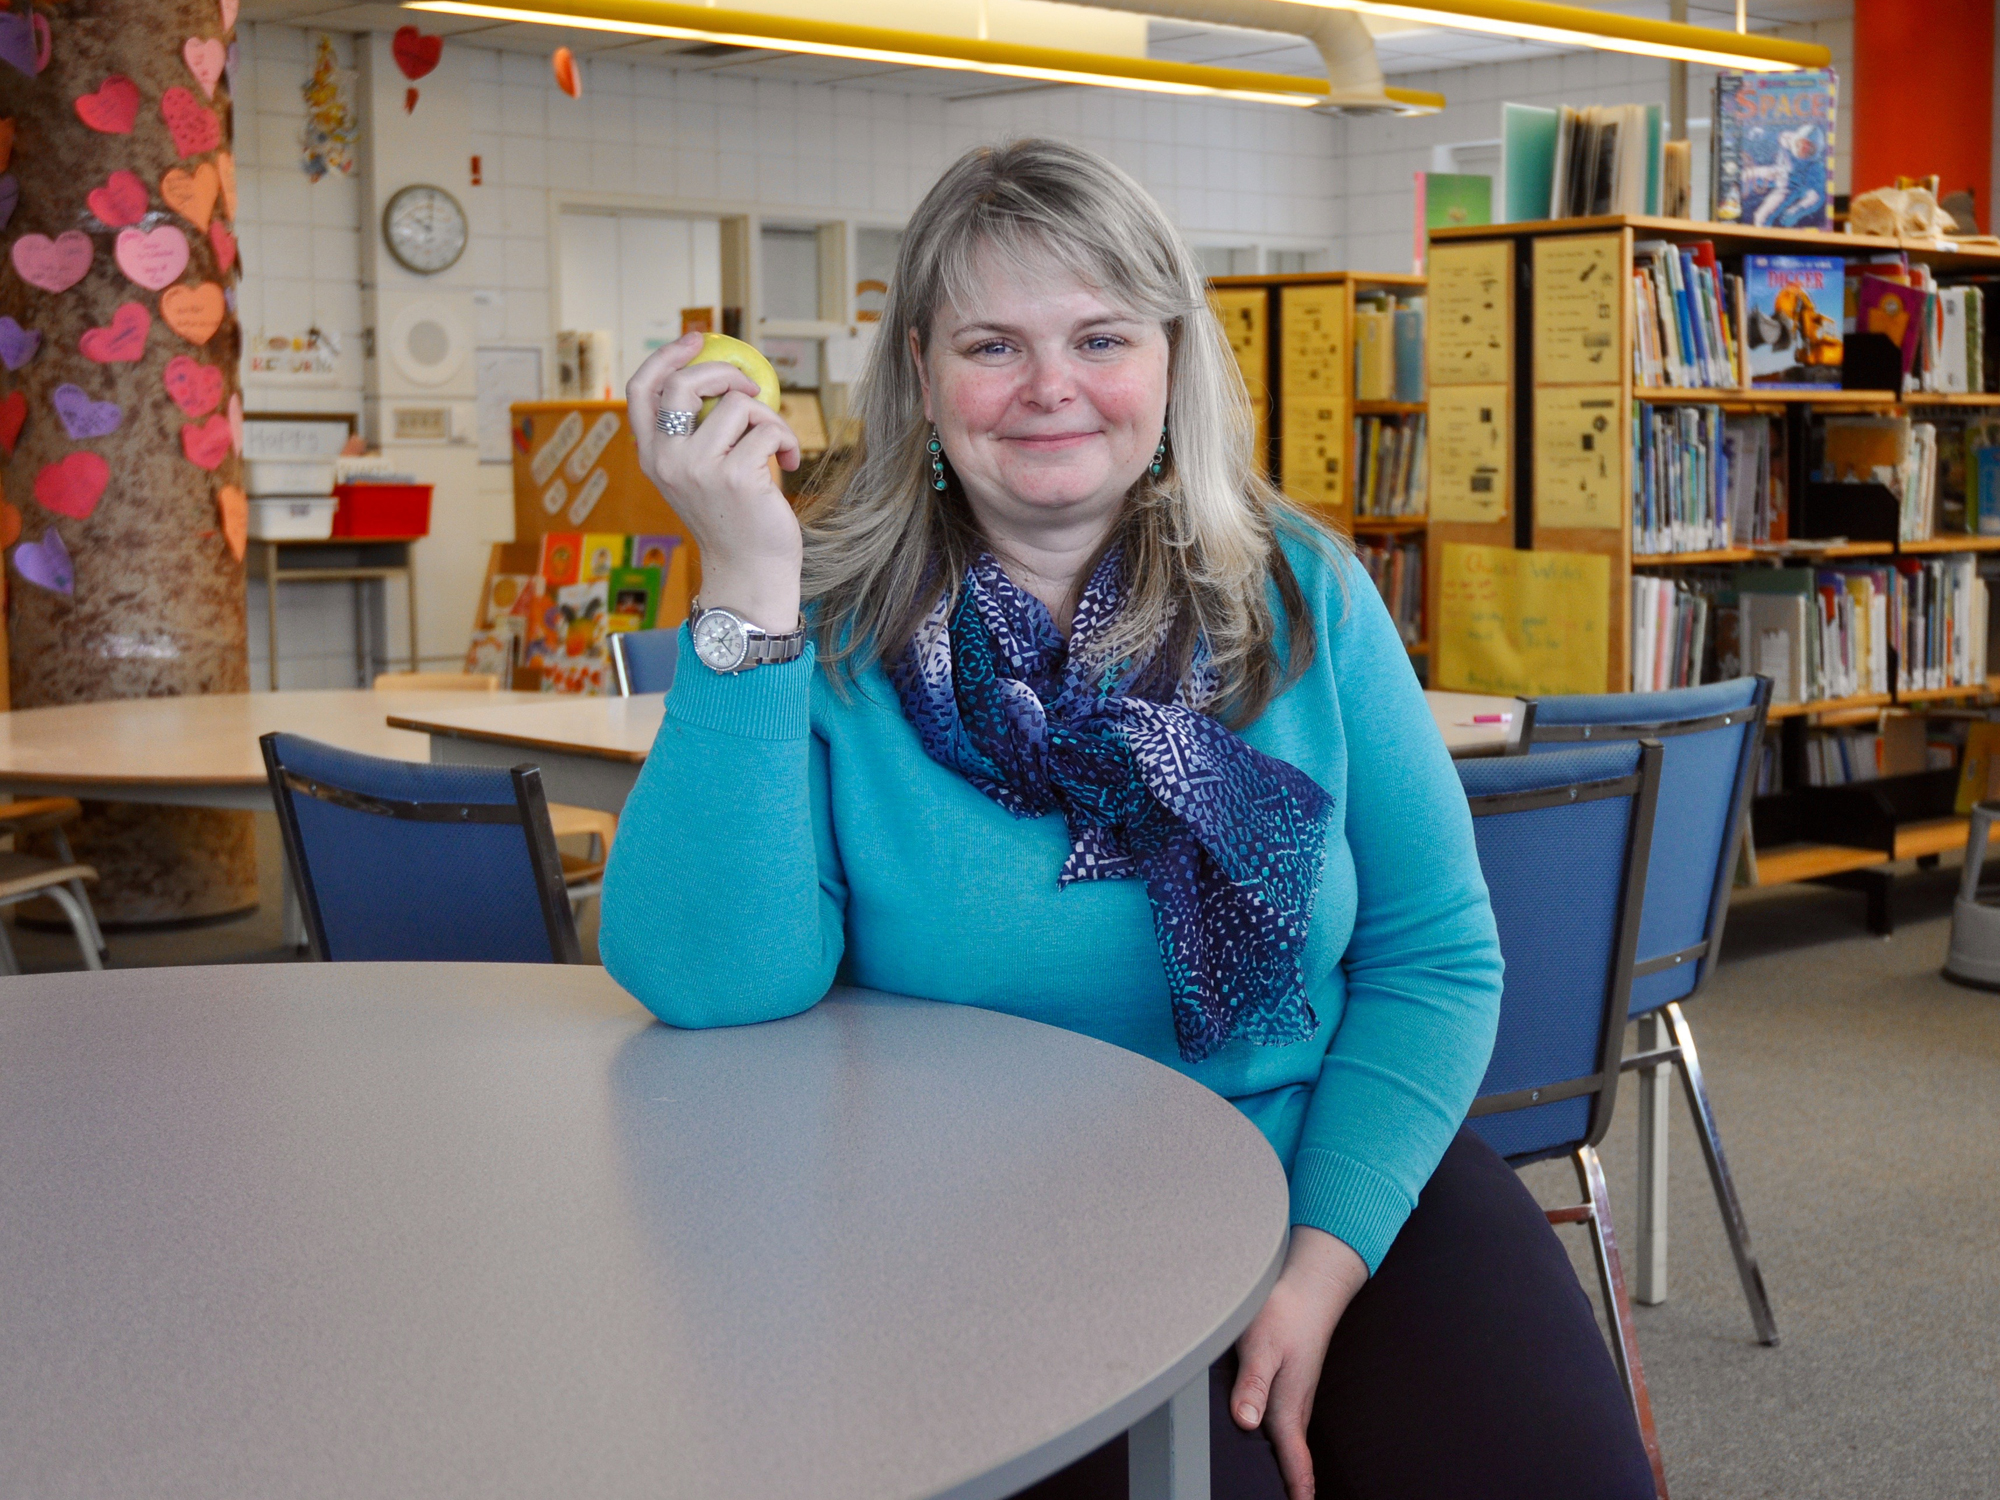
(1574, 26)
(912, 49)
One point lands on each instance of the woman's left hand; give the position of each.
(1280, 1353)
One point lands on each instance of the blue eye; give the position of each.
(1103, 341)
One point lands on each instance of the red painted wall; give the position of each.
(1923, 95)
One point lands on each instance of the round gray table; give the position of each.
(483, 1230)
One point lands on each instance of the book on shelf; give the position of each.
(1670, 634)
(1388, 346)
(1778, 605)
(1607, 161)
(1942, 622)
(1771, 148)
(1897, 452)
(1397, 568)
(1389, 466)
(1687, 317)
(1791, 340)
(1409, 350)
(1703, 479)
(1449, 200)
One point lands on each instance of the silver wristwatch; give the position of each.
(726, 642)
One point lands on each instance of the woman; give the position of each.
(1093, 727)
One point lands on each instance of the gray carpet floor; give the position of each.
(1859, 1097)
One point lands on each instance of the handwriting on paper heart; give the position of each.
(192, 124)
(194, 312)
(121, 201)
(206, 443)
(204, 57)
(54, 265)
(10, 198)
(416, 54)
(234, 507)
(46, 563)
(10, 524)
(82, 417)
(73, 484)
(13, 412)
(192, 194)
(113, 109)
(225, 246)
(24, 40)
(6, 142)
(17, 344)
(153, 258)
(122, 341)
(236, 423)
(196, 388)
(225, 169)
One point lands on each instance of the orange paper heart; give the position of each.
(194, 312)
(235, 508)
(192, 195)
(6, 142)
(10, 524)
(225, 169)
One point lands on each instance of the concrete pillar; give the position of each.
(123, 137)
(1923, 95)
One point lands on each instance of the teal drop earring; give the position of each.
(937, 460)
(1160, 455)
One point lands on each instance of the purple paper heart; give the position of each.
(10, 198)
(18, 344)
(18, 42)
(46, 563)
(83, 417)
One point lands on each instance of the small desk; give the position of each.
(417, 1230)
(356, 560)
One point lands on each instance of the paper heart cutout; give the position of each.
(229, 11)
(194, 312)
(46, 563)
(192, 124)
(153, 258)
(24, 40)
(205, 443)
(416, 54)
(6, 143)
(113, 109)
(122, 341)
(10, 198)
(83, 418)
(13, 412)
(17, 344)
(196, 388)
(192, 195)
(121, 201)
(10, 524)
(54, 265)
(225, 169)
(236, 423)
(234, 507)
(569, 77)
(204, 57)
(225, 246)
(72, 485)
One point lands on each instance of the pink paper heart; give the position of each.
(229, 12)
(46, 563)
(192, 124)
(113, 109)
(123, 341)
(152, 258)
(204, 57)
(207, 443)
(54, 265)
(72, 486)
(236, 423)
(225, 246)
(194, 386)
(121, 201)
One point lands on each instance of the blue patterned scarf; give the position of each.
(1229, 840)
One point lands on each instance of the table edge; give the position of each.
(525, 741)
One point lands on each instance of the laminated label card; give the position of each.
(1471, 313)
(1580, 448)
(1580, 297)
(1470, 443)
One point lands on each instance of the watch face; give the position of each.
(425, 229)
(720, 640)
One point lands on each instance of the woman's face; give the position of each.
(1049, 398)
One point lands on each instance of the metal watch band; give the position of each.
(761, 648)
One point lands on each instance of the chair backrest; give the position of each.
(1710, 734)
(1562, 843)
(396, 860)
(436, 682)
(642, 661)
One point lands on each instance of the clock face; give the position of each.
(425, 229)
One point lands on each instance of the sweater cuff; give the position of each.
(1353, 1202)
(764, 703)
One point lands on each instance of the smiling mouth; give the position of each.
(1051, 439)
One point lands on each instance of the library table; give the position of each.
(406, 1230)
(591, 749)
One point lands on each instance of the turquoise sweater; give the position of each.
(782, 837)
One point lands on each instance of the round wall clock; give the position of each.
(425, 229)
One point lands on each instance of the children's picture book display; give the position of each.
(558, 621)
(1772, 141)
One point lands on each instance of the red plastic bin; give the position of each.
(382, 510)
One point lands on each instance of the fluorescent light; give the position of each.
(1573, 26)
(912, 49)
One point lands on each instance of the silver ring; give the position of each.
(675, 423)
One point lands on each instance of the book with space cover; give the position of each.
(1792, 318)
(1772, 148)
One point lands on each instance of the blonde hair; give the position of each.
(1201, 540)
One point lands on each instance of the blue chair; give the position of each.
(1710, 734)
(642, 661)
(1562, 843)
(398, 861)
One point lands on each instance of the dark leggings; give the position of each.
(1469, 1365)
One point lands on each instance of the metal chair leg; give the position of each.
(1761, 1316)
(1649, 1262)
(64, 853)
(1618, 1306)
(78, 923)
(9, 964)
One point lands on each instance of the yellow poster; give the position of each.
(1580, 451)
(1471, 313)
(1522, 623)
(1245, 315)
(1470, 446)
(1580, 299)
(1312, 447)
(1312, 341)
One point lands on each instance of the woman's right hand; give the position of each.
(718, 479)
